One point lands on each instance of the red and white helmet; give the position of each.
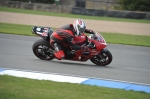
(79, 27)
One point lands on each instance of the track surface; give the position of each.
(130, 63)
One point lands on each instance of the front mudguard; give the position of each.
(104, 50)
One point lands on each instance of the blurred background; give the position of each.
(135, 9)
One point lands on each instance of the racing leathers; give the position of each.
(64, 34)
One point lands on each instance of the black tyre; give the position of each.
(102, 59)
(41, 48)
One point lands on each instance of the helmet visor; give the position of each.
(82, 29)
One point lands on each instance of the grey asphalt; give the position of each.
(130, 63)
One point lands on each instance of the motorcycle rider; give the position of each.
(66, 34)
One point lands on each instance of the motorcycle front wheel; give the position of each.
(41, 48)
(102, 59)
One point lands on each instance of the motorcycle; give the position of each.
(97, 52)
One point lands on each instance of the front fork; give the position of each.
(104, 50)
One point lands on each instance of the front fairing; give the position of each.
(98, 40)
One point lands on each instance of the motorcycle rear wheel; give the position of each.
(102, 59)
(41, 48)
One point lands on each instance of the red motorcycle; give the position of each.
(97, 52)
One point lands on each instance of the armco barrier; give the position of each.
(75, 10)
(112, 13)
(75, 79)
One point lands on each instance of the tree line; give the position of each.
(135, 5)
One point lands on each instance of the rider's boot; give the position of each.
(59, 54)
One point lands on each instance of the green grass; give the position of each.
(23, 88)
(6, 9)
(109, 37)
(15, 29)
(127, 39)
(18, 29)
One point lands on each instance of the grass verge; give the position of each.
(6, 9)
(23, 88)
(109, 37)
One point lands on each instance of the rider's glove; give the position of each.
(91, 45)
